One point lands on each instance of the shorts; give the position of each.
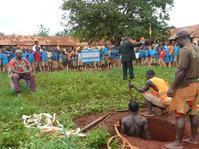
(37, 64)
(152, 60)
(185, 100)
(55, 65)
(158, 101)
(43, 63)
(166, 59)
(146, 60)
(171, 58)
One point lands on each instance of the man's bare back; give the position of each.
(135, 125)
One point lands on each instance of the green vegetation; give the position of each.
(70, 95)
(113, 19)
(97, 138)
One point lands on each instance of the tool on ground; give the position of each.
(87, 127)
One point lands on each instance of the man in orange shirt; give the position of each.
(155, 93)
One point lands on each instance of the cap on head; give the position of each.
(18, 51)
(182, 34)
(133, 106)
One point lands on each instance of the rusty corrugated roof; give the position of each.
(29, 40)
(193, 30)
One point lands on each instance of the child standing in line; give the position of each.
(55, 58)
(152, 53)
(31, 58)
(171, 55)
(74, 57)
(4, 62)
(44, 58)
(65, 59)
(166, 58)
(162, 56)
(60, 62)
(49, 55)
(37, 59)
(176, 53)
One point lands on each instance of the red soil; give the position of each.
(162, 129)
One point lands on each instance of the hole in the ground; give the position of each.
(161, 130)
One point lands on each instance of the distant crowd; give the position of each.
(43, 58)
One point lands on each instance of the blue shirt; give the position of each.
(25, 55)
(0, 58)
(12, 55)
(105, 51)
(142, 53)
(44, 56)
(4, 59)
(146, 53)
(55, 56)
(8, 54)
(61, 57)
(152, 52)
(31, 57)
(114, 53)
(176, 50)
(166, 50)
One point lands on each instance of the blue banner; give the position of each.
(90, 55)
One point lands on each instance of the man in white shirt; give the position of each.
(36, 45)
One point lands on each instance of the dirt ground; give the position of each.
(162, 129)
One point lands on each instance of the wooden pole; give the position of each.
(94, 122)
(130, 91)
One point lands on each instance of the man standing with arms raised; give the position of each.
(126, 50)
(185, 90)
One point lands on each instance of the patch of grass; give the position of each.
(70, 95)
(97, 138)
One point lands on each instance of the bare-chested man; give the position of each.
(135, 125)
(155, 93)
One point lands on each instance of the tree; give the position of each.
(62, 33)
(112, 19)
(43, 31)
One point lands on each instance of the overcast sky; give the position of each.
(24, 16)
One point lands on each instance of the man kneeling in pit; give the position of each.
(135, 125)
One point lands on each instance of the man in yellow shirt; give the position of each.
(155, 92)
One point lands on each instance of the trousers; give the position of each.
(128, 66)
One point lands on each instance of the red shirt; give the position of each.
(162, 54)
(37, 57)
(19, 65)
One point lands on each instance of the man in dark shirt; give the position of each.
(135, 125)
(126, 50)
(185, 90)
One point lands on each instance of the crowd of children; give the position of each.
(46, 59)
(164, 55)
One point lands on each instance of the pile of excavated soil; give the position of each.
(162, 129)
